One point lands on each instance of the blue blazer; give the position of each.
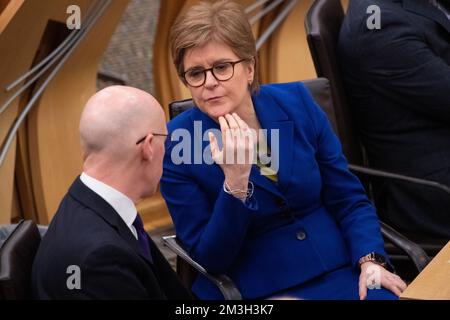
(315, 219)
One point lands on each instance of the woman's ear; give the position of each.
(251, 71)
(147, 148)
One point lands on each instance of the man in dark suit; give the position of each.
(398, 81)
(95, 246)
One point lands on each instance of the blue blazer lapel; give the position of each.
(273, 118)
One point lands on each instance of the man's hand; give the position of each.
(373, 275)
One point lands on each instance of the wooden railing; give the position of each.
(39, 128)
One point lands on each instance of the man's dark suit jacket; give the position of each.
(88, 233)
(398, 82)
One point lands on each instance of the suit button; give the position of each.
(301, 235)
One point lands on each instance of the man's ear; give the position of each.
(147, 148)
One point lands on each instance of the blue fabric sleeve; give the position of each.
(212, 233)
(342, 192)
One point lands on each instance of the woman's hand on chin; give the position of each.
(236, 157)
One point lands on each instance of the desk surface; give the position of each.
(433, 283)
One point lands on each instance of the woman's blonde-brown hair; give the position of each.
(223, 21)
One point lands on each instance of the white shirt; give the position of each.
(120, 202)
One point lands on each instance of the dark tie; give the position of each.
(144, 243)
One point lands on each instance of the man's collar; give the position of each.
(122, 204)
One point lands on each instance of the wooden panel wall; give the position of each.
(50, 153)
(55, 153)
(15, 57)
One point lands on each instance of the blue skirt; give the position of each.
(341, 284)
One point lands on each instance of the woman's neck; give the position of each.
(248, 114)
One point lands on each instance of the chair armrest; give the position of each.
(399, 177)
(412, 249)
(223, 282)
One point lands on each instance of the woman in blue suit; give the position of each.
(293, 223)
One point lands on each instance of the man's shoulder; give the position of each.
(76, 229)
(362, 13)
(75, 237)
(372, 26)
(84, 250)
(366, 7)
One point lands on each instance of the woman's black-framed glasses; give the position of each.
(155, 134)
(222, 71)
